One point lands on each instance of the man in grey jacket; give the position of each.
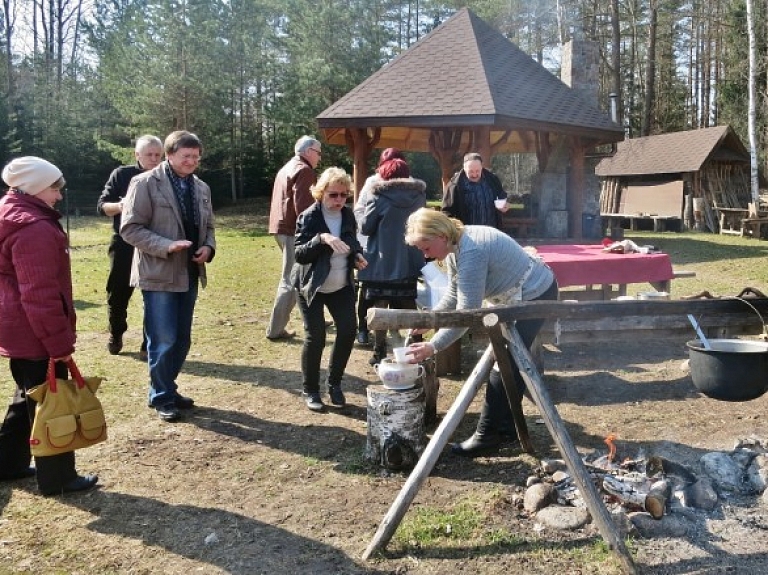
(168, 218)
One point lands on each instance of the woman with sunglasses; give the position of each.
(327, 251)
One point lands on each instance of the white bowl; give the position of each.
(398, 375)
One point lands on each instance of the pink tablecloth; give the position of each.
(590, 265)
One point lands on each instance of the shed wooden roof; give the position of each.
(465, 74)
(674, 153)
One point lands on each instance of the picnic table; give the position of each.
(588, 266)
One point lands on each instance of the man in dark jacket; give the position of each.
(472, 193)
(290, 197)
(148, 152)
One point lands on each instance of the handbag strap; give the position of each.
(72, 370)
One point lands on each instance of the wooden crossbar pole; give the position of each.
(427, 461)
(504, 362)
(379, 318)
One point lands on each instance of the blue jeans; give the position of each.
(341, 305)
(168, 322)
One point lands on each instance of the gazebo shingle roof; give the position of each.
(674, 153)
(465, 73)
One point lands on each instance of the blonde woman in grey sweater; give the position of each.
(483, 264)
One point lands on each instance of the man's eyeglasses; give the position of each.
(318, 152)
(334, 195)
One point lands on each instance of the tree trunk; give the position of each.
(616, 59)
(650, 73)
(755, 185)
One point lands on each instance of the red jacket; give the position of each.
(291, 195)
(37, 314)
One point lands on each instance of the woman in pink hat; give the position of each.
(37, 314)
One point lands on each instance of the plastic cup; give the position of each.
(402, 354)
(500, 204)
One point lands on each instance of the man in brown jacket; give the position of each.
(290, 197)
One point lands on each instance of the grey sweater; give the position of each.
(487, 264)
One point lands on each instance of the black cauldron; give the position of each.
(733, 370)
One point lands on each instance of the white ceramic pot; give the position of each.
(398, 375)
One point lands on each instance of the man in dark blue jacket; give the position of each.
(149, 153)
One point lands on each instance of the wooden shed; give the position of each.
(649, 179)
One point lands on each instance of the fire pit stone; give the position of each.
(563, 517)
(538, 496)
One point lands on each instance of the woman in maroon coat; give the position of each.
(37, 314)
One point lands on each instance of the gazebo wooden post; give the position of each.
(360, 145)
(444, 147)
(575, 196)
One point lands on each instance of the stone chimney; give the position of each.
(580, 68)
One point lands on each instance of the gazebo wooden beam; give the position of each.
(503, 139)
(482, 137)
(543, 150)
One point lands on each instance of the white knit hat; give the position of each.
(30, 174)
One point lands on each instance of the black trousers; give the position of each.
(119, 290)
(363, 305)
(341, 305)
(53, 472)
(496, 415)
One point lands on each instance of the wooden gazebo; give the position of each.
(465, 87)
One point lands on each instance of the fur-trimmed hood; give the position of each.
(402, 192)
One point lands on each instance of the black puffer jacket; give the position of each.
(313, 258)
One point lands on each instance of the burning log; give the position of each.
(651, 498)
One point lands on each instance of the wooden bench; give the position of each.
(519, 227)
(745, 222)
(632, 221)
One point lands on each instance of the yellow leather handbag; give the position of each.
(68, 414)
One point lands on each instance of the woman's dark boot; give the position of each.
(484, 441)
(496, 425)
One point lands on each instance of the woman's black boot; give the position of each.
(495, 427)
(484, 441)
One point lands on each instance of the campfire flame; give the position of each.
(611, 447)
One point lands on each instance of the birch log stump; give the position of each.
(396, 436)
(447, 426)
